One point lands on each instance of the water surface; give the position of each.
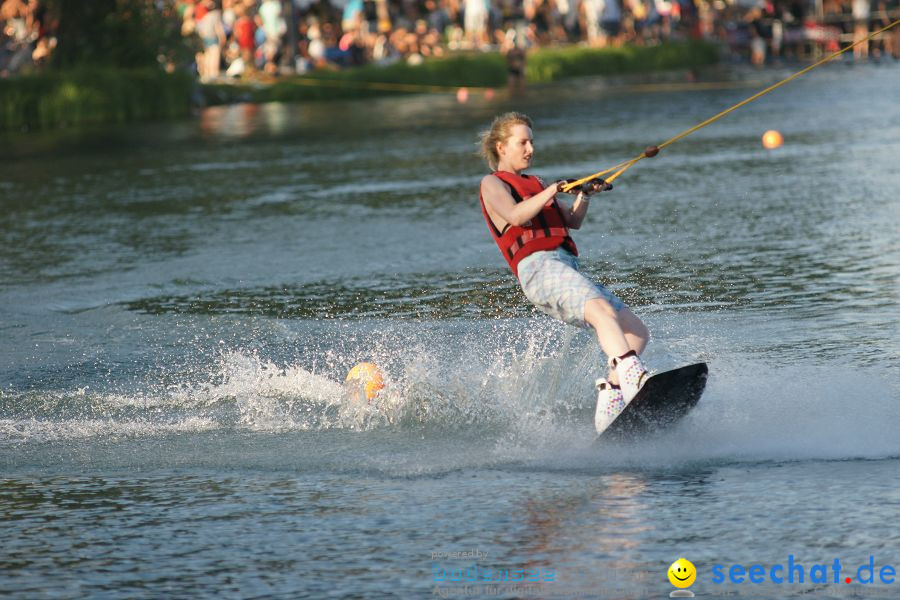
(180, 302)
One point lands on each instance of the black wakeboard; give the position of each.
(662, 402)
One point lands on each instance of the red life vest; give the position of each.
(547, 230)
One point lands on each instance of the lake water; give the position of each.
(181, 302)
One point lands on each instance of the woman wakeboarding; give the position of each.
(531, 227)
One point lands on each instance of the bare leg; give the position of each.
(635, 331)
(617, 332)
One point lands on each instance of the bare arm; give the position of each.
(574, 215)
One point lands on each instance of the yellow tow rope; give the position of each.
(653, 150)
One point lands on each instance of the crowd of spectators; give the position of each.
(298, 36)
(239, 37)
(26, 35)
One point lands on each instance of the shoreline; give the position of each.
(56, 100)
(484, 72)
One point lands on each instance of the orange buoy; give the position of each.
(367, 377)
(772, 139)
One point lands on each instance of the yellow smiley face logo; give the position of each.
(682, 573)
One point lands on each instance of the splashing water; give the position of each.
(527, 397)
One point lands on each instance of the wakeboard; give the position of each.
(660, 403)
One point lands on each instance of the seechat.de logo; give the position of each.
(682, 574)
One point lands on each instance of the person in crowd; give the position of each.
(244, 33)
(476, 23)
(514, 49)
(861, 11)
(274, 26)
(211, 30)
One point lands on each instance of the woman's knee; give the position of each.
(632, 324)
(598, 308)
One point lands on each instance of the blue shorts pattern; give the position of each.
(552, 282)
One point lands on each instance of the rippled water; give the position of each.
(180, 303)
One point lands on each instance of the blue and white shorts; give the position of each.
(552, 282)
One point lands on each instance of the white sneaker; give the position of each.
(632, 375)
(610, 405)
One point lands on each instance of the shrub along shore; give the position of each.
(58, 99)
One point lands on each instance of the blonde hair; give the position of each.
(500, 131)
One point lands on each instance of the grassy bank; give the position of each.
(57, 99)
(553, 64)
(470, 70)
(473, 70)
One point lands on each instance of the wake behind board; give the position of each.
(662, 402)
